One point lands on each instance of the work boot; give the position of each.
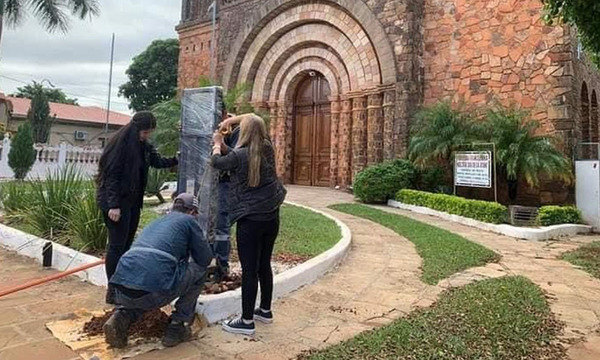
(116, 329)
(177, 332)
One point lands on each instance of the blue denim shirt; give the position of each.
(158, 259)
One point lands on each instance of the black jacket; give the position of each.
(121, 187)
(244, 200)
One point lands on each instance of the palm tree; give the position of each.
(52, 14)
(437, 132)
(521, 152)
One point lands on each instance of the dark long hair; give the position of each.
(125, 146)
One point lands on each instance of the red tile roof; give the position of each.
(89, 114)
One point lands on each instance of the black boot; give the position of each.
(177, 332)
(116, 329)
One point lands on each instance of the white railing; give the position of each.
(52, 158)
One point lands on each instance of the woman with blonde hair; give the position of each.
(255, 196)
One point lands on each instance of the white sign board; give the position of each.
(473, 169)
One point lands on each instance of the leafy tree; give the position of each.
(585, 15)
(51, 14)
(22, 153)
(166, 136)
(53, 94)
(437, 132)
(152, 75)
(39, 116)
(521, 152)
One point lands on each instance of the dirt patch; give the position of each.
(291, 259)
(152, 325)
(230, 282)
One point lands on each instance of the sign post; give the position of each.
(474, 169)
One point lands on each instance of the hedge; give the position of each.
(556, 215)
(379, 183)
(485, 211)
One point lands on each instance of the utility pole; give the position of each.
(213, 7)
(112, 58)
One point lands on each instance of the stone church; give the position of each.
(341, 78)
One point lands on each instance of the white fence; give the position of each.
(52, 158)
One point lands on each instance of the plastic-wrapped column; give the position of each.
(201, 114)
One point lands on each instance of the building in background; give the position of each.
(82, 126)
(341, 79)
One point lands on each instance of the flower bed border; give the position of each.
(214, 308)
(535, 234)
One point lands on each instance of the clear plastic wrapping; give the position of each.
(201, 114)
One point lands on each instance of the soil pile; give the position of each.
(152, 325)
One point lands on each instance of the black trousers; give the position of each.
(120, 236)
(255, 242)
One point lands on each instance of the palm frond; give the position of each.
(84, 8)
(51, 14)
(12, 11)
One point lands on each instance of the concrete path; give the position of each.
(377, 283)
(573, 293)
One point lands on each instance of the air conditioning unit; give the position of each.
(80, 135)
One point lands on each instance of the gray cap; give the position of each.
(188, 201)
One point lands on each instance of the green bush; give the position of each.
(21, 156)
(51, 200)
(381, 182)
(485, 211)
(156, 179)
(556, 215)
(86, 230)
(15, 197)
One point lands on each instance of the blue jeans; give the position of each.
(222, 244)
(188, 291)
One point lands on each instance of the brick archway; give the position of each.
(354, 15)
(339, 39)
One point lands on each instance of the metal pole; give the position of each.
(495, 173)
(112, 58)
(212, 42)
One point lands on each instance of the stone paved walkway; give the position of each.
(376, 283)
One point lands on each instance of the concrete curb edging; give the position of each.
(223, 306)
(63, 258)
(535, 234)
(213, 307)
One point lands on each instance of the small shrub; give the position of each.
(556, 215)
(381, 182)
(485, 211)
(15, 197)
(52, 200)
(86, 230)
(21, 156)
(156, 179)
(431, 179)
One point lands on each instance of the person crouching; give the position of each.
(156, 271)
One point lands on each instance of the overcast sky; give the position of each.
(79, 61)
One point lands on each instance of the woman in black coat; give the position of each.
(121, 181)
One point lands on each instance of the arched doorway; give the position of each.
(312, 131)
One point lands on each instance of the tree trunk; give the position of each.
(512, 189)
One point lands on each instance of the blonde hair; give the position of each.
(253, 133)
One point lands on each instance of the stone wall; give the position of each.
(487, 51)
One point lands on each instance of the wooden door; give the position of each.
(312, 132)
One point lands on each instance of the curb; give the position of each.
(534, 234)
(213, 307)
(223, 306)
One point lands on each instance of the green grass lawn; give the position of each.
(443, 252)
(506, 318)
(304, 233)
(587, 257)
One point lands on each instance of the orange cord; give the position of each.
(32, 283)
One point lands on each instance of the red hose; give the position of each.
(32, 283)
